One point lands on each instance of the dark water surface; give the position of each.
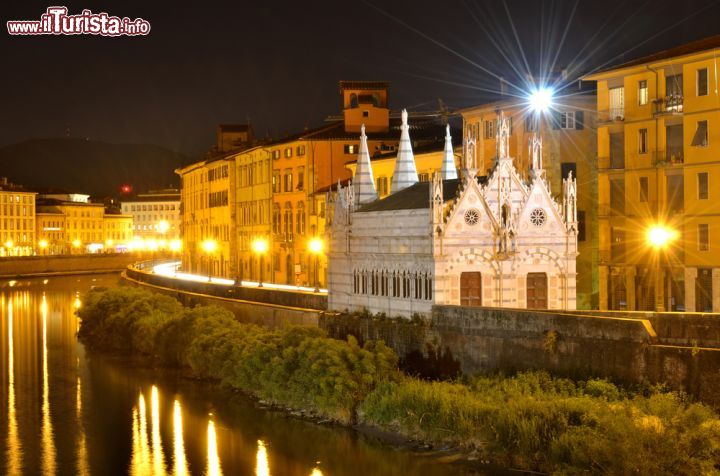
(64, 412)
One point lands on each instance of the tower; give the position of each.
(405, 173)
(448, 169)
(363, 182)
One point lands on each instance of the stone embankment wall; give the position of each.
(683, 352)
(14, 267)
(251, 309)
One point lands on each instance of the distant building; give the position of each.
(155, 214)
(233, 136)
(17, 220)
(499, 240)
(658, 145)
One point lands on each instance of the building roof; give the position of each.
(52, 202)
(169, 197)
(364, 85)
(414, 197)
(703, 44)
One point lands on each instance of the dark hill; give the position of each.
(85, 166)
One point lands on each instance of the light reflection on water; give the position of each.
(67, 413)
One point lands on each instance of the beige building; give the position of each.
(51, 233)
(117, 232)
(155, 214)
(17, 220)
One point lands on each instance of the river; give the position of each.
(67, 412)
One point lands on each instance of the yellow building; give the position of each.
(658, 148)
(83, 223)
(17, 220)
(50, 230)
(117, 232)
(569, 141)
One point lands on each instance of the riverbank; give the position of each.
(63, 265)
(529, 421)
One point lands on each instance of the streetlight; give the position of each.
(260, 246)
(209, 246)
(541, 99)
(659, 237)
(43, 244)
(77, 244)
(175, 246)
(315, 245)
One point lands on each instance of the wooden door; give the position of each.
(471, 289)
(537, 291)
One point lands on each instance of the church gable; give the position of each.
(470, 215)
(540, 214)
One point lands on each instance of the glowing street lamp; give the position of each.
(541, 99)
(209, 246)
(660, 237)
(260, 246)
(316, 245)
(163, 227)
(43, 244)
(76, 244)
(175, 246)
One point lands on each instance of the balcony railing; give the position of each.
(672, 104)
(613, 114)
(668, 157)
(607, 163)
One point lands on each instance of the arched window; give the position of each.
(276, 219)
(288, 230)
(353, 100)
(406, 284)
(396, 284)
(300, 218)
(364, 282)
(384, 283)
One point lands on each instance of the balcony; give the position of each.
(670, 157)
(672, 104)
(607, 163)
(613, 114)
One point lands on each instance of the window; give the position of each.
(300, 218)
(382, 186)
(532, 122)
(617, 104)
(276, 181)
(617, 150)
(617, 195)
(675, 193)
(301, 178)
(366, 113)
(642, 141)
(489, 129)
(566, 168)
(288, 219)
(702, 185)
(276, 218)
(700, 139)
(288, 152)
(275, 154)
(642, 93)
(350, 149)
(568, 120)
(424, 177)
(703, 237)
(300, 151)
(702, 82)
(287, 181)
(643, 189)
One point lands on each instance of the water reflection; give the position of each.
(13, 455)
(262, 467)
(179, 461)
(68, 413)
(48, 445)
(213, 461)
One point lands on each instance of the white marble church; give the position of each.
(494, 241)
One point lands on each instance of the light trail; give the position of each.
(169, 270)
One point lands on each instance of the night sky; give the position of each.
(279, 63)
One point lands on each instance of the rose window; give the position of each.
(472, 216)
(538, 217)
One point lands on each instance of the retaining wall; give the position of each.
(13, 267)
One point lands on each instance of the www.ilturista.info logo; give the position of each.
(56, 21)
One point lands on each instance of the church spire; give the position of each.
(405, 173)
(363, 181)
(448, 169)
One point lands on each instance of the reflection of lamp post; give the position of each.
(260, 246)
(316, 247)
(659, 237)
(209, 246)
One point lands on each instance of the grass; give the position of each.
(530, 420)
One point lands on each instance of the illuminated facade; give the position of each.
(658, 143)
(569, 139)
(499, 240)
(17, 220)
(155, 214)
(117, 232)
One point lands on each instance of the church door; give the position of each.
(471, 289)
(537, 291)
